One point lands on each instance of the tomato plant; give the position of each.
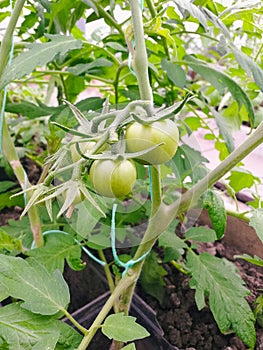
(156, 68)
(113, 178)
(139, 137)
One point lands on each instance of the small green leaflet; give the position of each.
(38, 54)
(28, 280)
(129, 347)
(151, 278)
(217, 280)
(9, 244)
(255, 260)
(256, 221)
(58, 248)
(241, 178)
(216, 210)
(20, 329)
(200, 234)
(123, 328)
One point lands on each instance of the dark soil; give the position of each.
(190, 329)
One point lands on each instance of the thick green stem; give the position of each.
(140, 59)
(8, 36)
(104, 14)
(151, 7)
(123, 284)
(11, 156)
(7, 143)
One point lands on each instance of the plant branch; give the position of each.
(140, 59)
(120, 288)
(107, 16)
(166, 214)
(6, 43)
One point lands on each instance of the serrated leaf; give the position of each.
(20, 329)
(58, 248)
(216, 210)
(38, 55)
(200, 234)
(217, 280)
(221, 82)
(123, 328)
(256, 221)
(28, 280)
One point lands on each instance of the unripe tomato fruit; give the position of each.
(139, 137)
(78, 197)
(113, 178)
(84, 148)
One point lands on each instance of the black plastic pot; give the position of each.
(85, 315)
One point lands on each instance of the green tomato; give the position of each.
(78, 196)
(84, 147)
(139, 137)
(113, 178)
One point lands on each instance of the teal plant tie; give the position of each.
(85, 250)
(2, 112)
(126, 265)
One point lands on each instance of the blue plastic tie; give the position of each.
(126, 265)
(6, 89)
(93, 257)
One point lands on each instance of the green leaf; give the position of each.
(20, 329)
(58, 248)
(87, 67)
(216, 210)
(151, 277)
(241, 178)
(224, 127)
(221, 82)
(249, 65)
(123, 328)
(9, 244)
(189, 162)
(28, 280)
(256, 221)
(217, 280)
(6, 185)
(200, 234)
(193, 10)
(175, 73)
(129, 347)
(255, 260)
(172, 244)
(38, 55)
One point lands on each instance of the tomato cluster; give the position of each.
(116, 177)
